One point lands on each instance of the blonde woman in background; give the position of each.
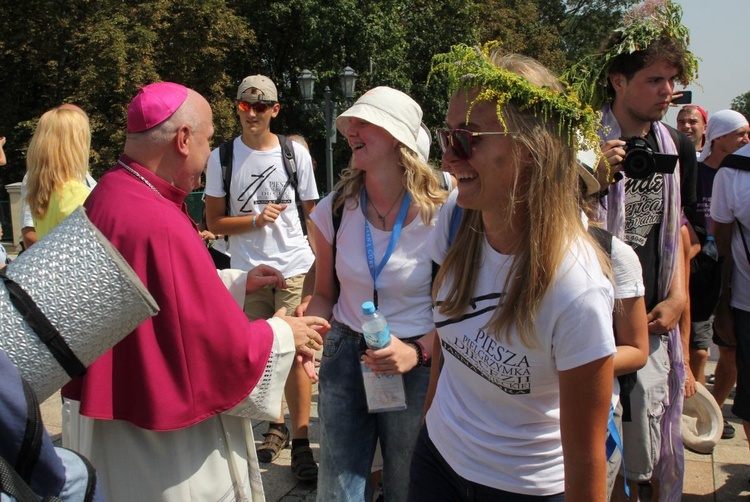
(57, 164)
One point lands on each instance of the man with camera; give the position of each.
(649, 176)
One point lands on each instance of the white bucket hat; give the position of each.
(702, 421)
(390, 109)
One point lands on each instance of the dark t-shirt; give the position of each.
(644, 210)
(703, 222)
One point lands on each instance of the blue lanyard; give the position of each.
(370, 249)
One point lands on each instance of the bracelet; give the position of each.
(255, 225)
(420, 360)
(426, 356)
(423, 358)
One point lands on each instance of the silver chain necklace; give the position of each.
(137, 175)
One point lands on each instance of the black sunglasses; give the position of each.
(258, 106)
(460, 140)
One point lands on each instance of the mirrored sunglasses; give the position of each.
(461, 141)
(258, 106)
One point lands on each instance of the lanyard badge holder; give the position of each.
(383, 393)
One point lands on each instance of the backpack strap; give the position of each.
(31, 445)
(226, 158)
(12, 484)
(739, 162)
(602, 237)
(288, 157)
(290, 165)
(336, 216)
(457, 215)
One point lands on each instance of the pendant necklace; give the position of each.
(137, 175)
(383, 217)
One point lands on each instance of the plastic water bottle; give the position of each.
(709, 248)
(374, 327)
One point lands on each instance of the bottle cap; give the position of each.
(368, 308)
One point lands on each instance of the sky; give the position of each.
(717, 36)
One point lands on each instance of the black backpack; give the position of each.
(226, 156)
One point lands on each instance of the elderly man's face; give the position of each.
(189, 175)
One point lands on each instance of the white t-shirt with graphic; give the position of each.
(495, 417)
(729, 201)
(258, 178)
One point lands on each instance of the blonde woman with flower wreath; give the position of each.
(523, 302)
(57, 164)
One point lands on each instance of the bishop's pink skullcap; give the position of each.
(154, 104)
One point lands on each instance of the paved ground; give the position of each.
(720, 477)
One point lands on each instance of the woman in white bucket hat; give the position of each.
(386, 203)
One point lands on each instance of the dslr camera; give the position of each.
(641, 161)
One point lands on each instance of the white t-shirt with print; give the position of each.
(495, 417)
(405, 282)
(729, 201)
(259, 177)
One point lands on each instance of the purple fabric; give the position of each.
(671, 464)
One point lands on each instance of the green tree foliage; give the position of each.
(95, 53)
(388, 42)
(742, 104)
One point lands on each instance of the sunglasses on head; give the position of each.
(258, 106)
(460, 140)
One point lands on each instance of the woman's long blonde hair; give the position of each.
(419, 178)
(58, 152)
(545, 190)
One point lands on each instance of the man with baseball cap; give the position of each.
(157, 414)
(264, 227)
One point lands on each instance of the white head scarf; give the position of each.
(720, 124)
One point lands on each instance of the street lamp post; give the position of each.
(348, 78)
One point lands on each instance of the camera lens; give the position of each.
(638, 163)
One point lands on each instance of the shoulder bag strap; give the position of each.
(43, 328)
(744, 242)
(226, 158)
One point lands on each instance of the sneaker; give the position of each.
(275, 441)
(728, 432)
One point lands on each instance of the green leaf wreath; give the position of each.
(654, 21)
(467, 67)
